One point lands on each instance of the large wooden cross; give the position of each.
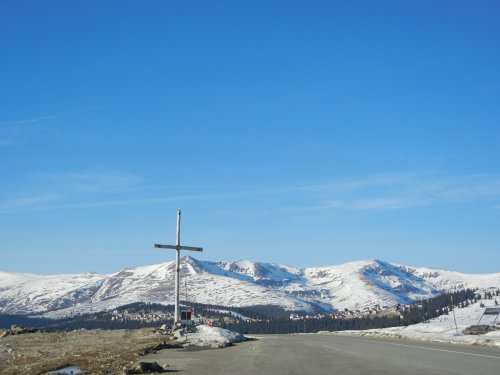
(178, 249)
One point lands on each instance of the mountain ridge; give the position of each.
(352, 285)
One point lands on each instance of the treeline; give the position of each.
(104, 319)
(99, 320)
(412, 314)
(281, 325)
(433, 307)
(266, 318)
(8, 320)
(258, 312)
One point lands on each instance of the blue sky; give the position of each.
(304, 133)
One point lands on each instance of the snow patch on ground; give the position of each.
(441, 329)
(213, 337)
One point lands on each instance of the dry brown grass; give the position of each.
(95, 351)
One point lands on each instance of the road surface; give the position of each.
(331, 354)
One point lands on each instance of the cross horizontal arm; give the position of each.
(191, 248)
(173, 247)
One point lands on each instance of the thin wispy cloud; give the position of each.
(94, 181)
(356, 183)
(64, 201)
(32, 201)
(94, 189)
(36, 119)
(20, 131)
(55, 191)
(48, 206)
(395, 192)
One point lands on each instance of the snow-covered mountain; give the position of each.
(352, 285)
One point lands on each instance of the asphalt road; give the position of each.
(330, 354)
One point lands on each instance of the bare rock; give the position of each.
(163, 330)
(17, 330)
(479, 330)
(179, 334)
(146, 368)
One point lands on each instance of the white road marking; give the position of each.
(437, 349)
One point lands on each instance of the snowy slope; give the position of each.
(449, 280)
(442, 328)
(27, 293)
(241, 283)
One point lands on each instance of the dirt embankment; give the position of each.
(94, 351)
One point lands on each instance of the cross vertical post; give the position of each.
(178, 249)
(177, 267)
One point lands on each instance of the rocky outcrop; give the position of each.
(17, 330)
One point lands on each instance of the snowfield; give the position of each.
(441, 329)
